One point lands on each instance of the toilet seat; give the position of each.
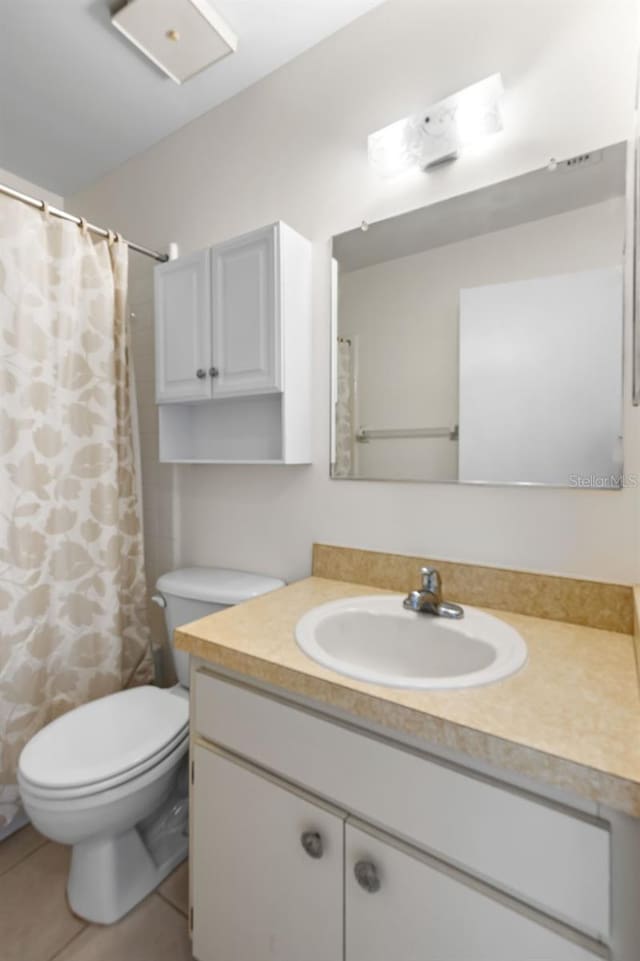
(104, 743)
(98, 787)
(75, 806)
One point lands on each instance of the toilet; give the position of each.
(110, 777)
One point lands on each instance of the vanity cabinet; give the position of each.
(419, 860)
(267, 874)
(233, 351)
(424, 909)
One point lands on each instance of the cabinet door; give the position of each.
(183, 329)
(425, 911)
(246, 315)
(257, 893)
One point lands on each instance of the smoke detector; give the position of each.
(182, 37)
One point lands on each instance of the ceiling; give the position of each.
(77, 99)
(531, 196)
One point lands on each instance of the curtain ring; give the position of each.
(110, 237)
(46, 212)
(84, 227)
(118, 238)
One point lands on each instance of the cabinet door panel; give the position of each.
(183, 329)
(258, 896)
(246, 321)
(426, 913)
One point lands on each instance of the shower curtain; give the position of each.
(344, 428)
(72, 586)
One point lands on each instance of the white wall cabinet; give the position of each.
(376, 892)
(233, 351)
(183, 328)
(246, 315)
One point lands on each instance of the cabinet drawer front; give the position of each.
(257, 893)
(421, 909)
(547, 856)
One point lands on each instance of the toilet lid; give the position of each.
(104, 738)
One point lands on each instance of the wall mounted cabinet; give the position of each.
(247, 332)
(233, 351)
(183, 328)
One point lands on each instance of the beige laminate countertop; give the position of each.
(569, 718)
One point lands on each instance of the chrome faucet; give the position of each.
(429, 599)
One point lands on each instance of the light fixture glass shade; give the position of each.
(439, 132)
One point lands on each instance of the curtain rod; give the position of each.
(63, 215)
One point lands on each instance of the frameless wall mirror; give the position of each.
(480, 339)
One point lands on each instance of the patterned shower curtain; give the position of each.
(344, 428)
(72, 586)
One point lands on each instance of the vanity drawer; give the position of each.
(551, 858)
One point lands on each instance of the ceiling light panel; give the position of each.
(182, 37)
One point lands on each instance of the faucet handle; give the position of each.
(430, 580)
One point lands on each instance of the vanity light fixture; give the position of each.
(182, 37)
(441, 131)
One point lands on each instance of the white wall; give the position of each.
(31, 189)
(294, 147)
(402, 316)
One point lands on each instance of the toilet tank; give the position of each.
(194, 592)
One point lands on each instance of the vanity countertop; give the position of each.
(569, 718)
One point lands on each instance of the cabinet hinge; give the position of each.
(191, 920)
(193, 772)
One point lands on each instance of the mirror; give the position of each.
(479, 339)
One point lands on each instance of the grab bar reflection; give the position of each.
(365, 434)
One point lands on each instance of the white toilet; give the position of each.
(110, 777)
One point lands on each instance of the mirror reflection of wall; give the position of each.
(480, 339)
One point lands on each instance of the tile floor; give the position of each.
(37, 925)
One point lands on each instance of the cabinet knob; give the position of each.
(312, 843)
(201, 373)
(367, 876)
(213, 372)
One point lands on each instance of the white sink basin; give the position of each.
(375, 639)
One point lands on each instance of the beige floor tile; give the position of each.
(176, 888)
(154, 931)
(17, 846)
(34, 917)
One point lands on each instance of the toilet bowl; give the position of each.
(90, 777)
(110, 777)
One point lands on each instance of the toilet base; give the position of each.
(110, 875)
